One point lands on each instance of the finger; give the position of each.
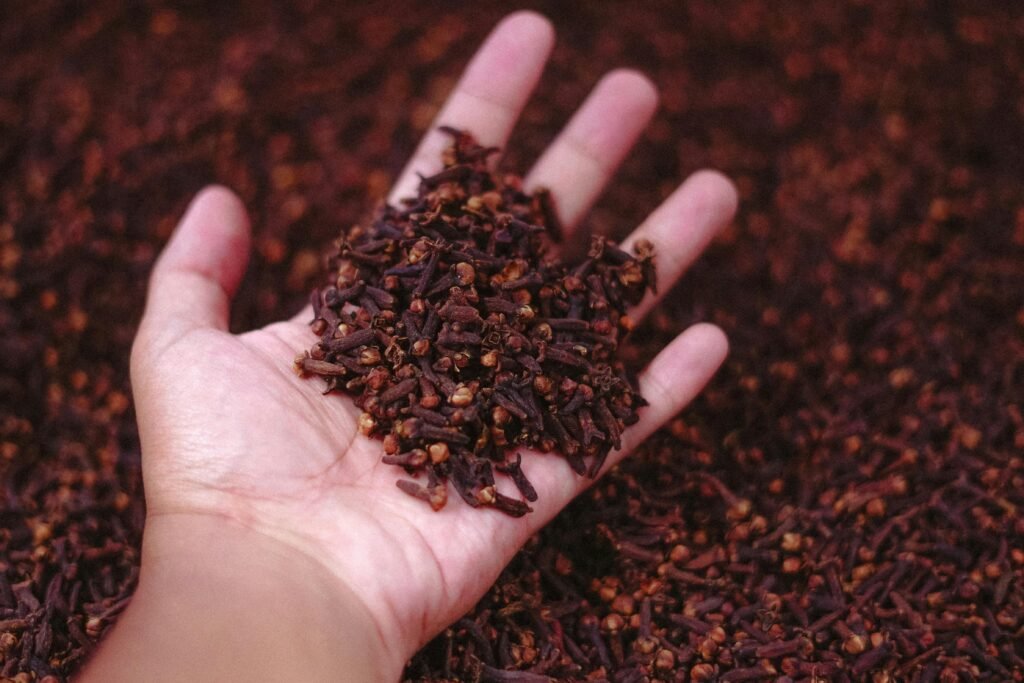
(682, 227)
(585, 155)
(673, 379)
(489, 96)
(669, 383)
(200, 269)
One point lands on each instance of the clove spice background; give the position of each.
(844, 502)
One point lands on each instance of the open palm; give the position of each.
(229, 430)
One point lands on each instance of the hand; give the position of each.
(254, 480)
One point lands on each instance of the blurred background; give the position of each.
(868, 421)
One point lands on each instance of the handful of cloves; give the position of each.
(461, 339)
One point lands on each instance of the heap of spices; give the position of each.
(462, 340)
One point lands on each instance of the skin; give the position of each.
(277, 546)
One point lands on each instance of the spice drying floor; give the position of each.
(845, 499)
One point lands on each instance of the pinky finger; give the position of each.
(673, 379)
(669, 383)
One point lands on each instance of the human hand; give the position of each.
(241, 454)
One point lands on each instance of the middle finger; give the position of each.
(585, 155)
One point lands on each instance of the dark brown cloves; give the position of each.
(466, 341)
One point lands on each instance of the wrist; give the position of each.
(219, 601)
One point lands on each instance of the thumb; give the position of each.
(200, 269)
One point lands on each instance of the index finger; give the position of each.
(487, 100)
(490, 95)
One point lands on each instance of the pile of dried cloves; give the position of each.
(462, 339)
